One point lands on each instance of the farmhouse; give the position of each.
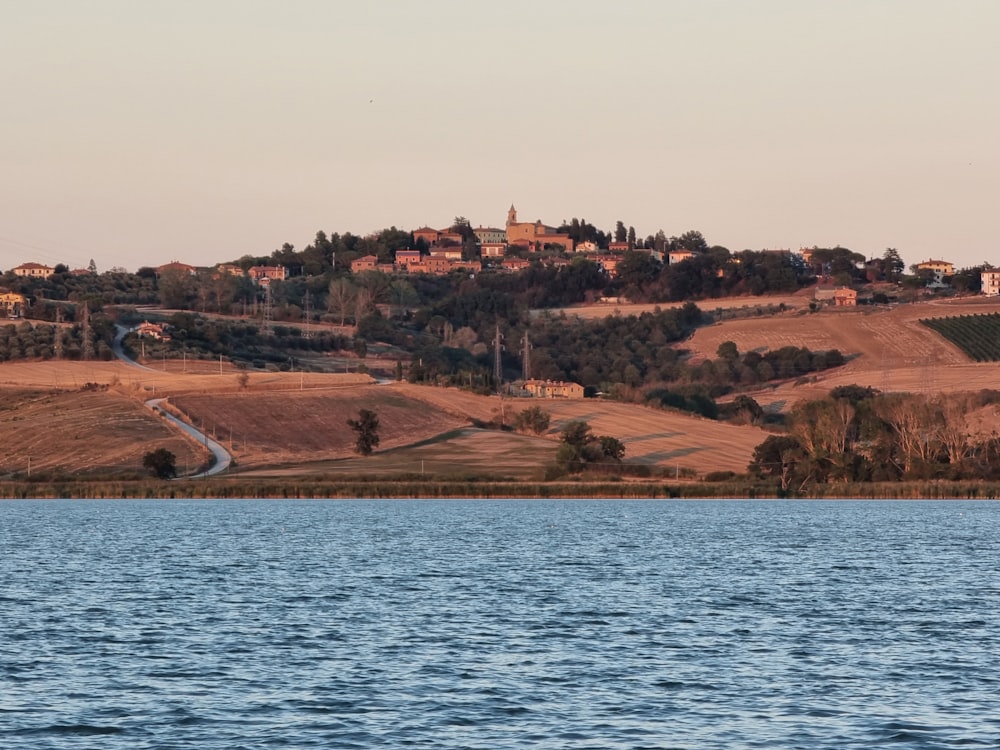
(264, 275)
(156, 331)
(33, 270)
(13, 304)
(553, 389)
(840, 296)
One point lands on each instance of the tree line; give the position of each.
(858, 434)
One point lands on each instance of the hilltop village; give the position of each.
(552, 314)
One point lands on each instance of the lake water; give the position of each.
(490, 624)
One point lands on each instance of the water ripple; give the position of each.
(545, 624)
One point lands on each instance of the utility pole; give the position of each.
(265, 328)
(498, 369)
(85, 326)
(526, 358)
(497, 364)
(307, 333)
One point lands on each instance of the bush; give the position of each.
(161, 463)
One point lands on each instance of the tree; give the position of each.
(533, 419)
(579, 447)
(161, 462)
(366, 426)
(892, 264)
(340, 298)
(612, 449)
(621, 233)
(727, 350)
(692, 240)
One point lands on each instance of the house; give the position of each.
(493, 249)
(609, 263)
(450, 253)
(264, 275)
(552, 389)
(841, 296)
(515, 264)
(156, 331)
(990, 283)
(676, 256)
(230, 268)
(434, 237)
(427, 234)
(432, 264)
(176, 267)
(845, 297)
(447, 237)
(586, 247)
(33, 270)
(617, 248)
(937, 269)
(406, 258)
(367, 263)
(490, 235)
(13, 304)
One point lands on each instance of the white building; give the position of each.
(991, 283)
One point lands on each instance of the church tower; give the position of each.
(512, 215)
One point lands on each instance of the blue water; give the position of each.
(482, 624)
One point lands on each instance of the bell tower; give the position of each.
(511, 215)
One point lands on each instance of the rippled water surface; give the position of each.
(479, 624)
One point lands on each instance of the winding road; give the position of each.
(222, 459)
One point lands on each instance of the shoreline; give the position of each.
(322, 489)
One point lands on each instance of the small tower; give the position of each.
(511, 215)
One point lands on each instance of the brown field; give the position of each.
(889, 348)
(603, 309)
(295, 423)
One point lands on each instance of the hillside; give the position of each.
(88, 417)
(292, 423)
(887, 348)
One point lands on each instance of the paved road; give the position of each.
(116, 346)
(222, 457)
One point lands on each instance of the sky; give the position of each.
(136, 133)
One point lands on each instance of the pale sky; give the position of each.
(135, 133)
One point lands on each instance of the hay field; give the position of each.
(603, 309)
(80, 432)
(289, 423)
(889, 348)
